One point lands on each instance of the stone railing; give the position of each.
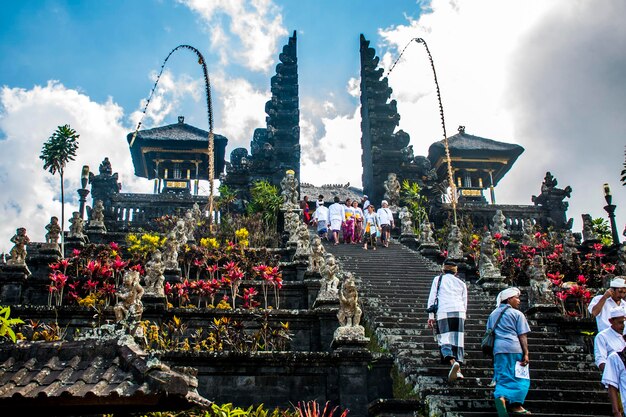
(482, 214)
(136, 210)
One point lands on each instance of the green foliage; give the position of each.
(6, 323)
(227, 410)
(265, 200)
(410, 195)
(602, 229)
(226, 198)
(401, 389)
(59, 149)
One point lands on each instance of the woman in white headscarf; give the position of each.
(510, 351)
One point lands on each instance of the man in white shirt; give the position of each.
(337, 216)
(610, 340)
(601, 305)
(385, 219)
(365, 202)
(614, 378)
(321, 220)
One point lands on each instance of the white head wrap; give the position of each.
(384, 202)
(618, 282)
(617, 312)
(506, 294)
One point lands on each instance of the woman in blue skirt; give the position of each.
(510, 353)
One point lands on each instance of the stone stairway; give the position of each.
(394, 284)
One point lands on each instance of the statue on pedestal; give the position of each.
(405, 221)
(392, 190)
(528, 239)
(426, 234)
(53, 231)
(190, 225)
(97, 215)
(540, 293)
(588, 232)
(129, 307)
(349, 314)
(18, 251)
(196, 212)
(154, 278)
(303, 248)
(499, 225)
(316, 260)
(455, 247)
(289, 187)
(76, 226)
(330, 279)
(570, 248)
(487, 261)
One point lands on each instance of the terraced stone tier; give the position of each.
(394, 284)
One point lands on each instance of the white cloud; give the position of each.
(27, 118)
(257, 26)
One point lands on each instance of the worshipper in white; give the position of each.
(610, 340)
(321, 220)
(614, 378)
(320, 201)
(385, 219)
(601, 305)
(510, 351)
(449, 294)
(336, 215)
(365, 202)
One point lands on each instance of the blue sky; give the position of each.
(543, 74)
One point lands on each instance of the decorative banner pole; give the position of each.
(207, 87)
(443, 122)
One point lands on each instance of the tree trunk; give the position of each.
(62, 216)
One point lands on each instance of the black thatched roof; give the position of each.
(474, 151)
(175, 141)
(89, 377)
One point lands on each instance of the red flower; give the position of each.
(608, 268)
(118, 264)
(138, 268)
(497, 236)
(597, 247)
(54, 266)
(64, 263)
(75, 253)
(582, 280)
(114, 246)
(93, 266)
(168, 288)
(505, 242)
(561, 296)
(90, 285)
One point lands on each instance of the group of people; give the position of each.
(447, 313)
(609, 310)
(357, 223)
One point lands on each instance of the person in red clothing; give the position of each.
(304, 205)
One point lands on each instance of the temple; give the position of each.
(477, 163)
(175, 155)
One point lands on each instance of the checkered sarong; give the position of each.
(451, 335)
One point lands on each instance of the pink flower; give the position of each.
(505, 242)
(597, 247)
(561, 296)
(75, 253)
(582, 280)
(114, 246)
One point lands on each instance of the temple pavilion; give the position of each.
(176, 156)
(477, 163)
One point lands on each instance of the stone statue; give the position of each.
(129, 307)
(426, 233)
(18, 251)
(405, 221)
(499, 225)
(349, 314)
(330, 278)
(528, 238)
(316, 260)
(407, 154)
(551, 198)
(76, 226)
(588, 233)
(392, 190)
(621, 259)
(181, 233)
(196, 212)
(303, 245)
(105, 167)
(455, 247)
(190, 225)
(154, 278)
(540, 293)
(292, 222)
(289, 187)
(170, 253)
(54, 231)
(97, 215)
(487, 260)
(570, 248)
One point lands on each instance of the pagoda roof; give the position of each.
(470, 151)
(175, 142)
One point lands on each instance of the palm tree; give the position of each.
(58, 150)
